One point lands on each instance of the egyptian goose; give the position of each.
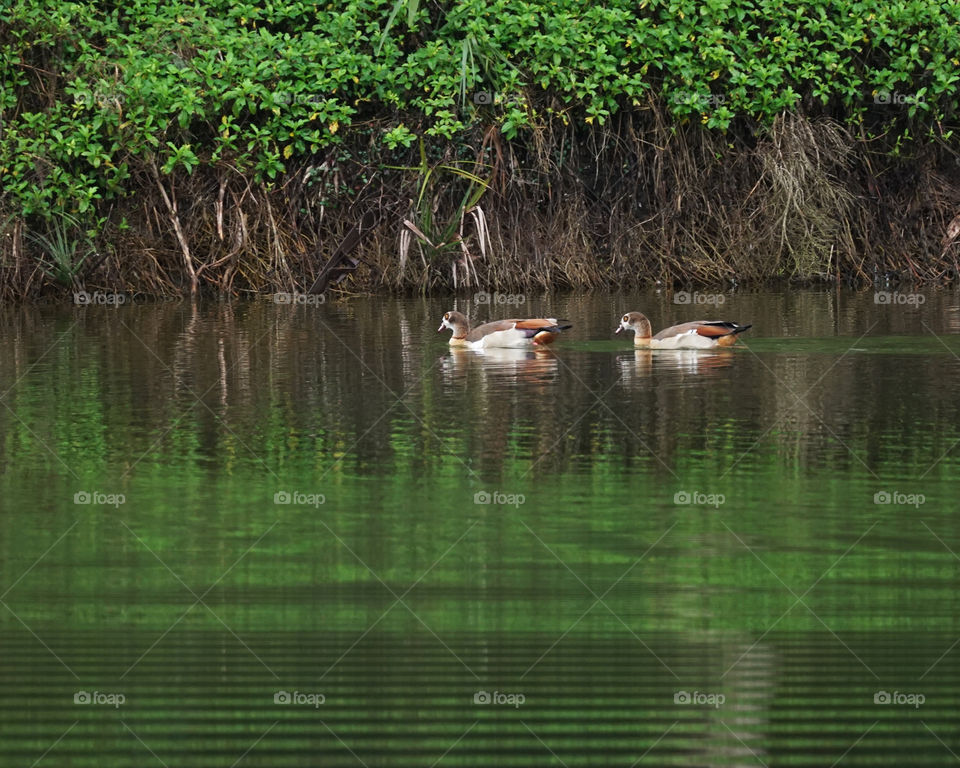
(699, 334)
(502, 333)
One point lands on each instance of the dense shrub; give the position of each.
(100, 99)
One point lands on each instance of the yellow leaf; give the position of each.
(314, 115)
(334, 126)
(590, 120)
(288, 150)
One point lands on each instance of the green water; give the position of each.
(385, 599)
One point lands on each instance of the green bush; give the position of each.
(94, 94)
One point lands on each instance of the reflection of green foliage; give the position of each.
(200, 481)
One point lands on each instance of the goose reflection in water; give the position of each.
(693, 362)
(534, 365)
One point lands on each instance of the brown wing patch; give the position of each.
(532, 325)
(713, 330)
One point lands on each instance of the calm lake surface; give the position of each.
(250, 534)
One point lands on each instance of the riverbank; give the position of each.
(365, 147)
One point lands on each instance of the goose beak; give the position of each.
(619, 328)
(441, 327)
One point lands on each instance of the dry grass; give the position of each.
(638, 201)
(801, 188)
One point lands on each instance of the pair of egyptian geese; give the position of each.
(538, 332)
